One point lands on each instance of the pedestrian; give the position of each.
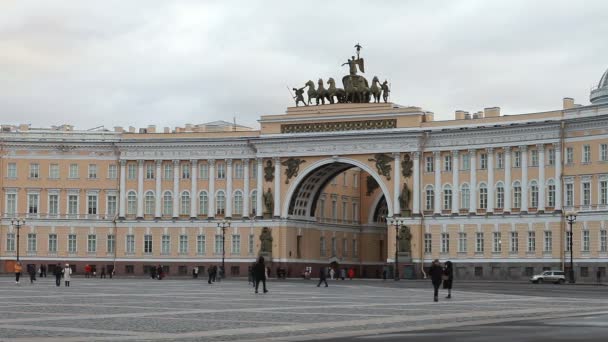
(351, 273)
(43, 268)
(214, 274)
(67, 275)
(332, 273)
(40, 271)
(448, 277)
(210, 274)
(31, 270)
(18, 270)
(598, 274)
(58, 273)
(103, 272)
(384, 272)
(322, 276)
(343, 273)
(112, 272)
(160, 273)
(195, 272)
(436, 273)
(259, 271)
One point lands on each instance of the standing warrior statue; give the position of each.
(385, 91)
(299, 96)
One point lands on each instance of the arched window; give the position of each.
(131, 203)
(465, 196)
(149, 203)
(517, 194)
(551, 193)
(220, 203)
(254, 202)
(430, 197)
(447, 197)
(167, 203)
(238, 203)
(500, 195)
(184, 203)
(483, 196)
(534, 194)
(203, 203)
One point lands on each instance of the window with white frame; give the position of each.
(603, 241)
(92, 204)
(72, 204)
(586, 241)
(428, 247)
(483, 196)
(148, 244)
(54, 171)
(91, 243)
(534, 158)
(534, 194)
(514, 242)
(569, 194)
(167, 203)
(465, 161)
(203, 203)
(500, 160)
(496, 242)
(447, 197)
(72, 243)
(165, 244)
(322, 247)
(531, 241)
(445, 242)
(200, 244)
(251, 244)
(185, 170)
(52, 243)
(344, 211)
(548, 247)
(334, 209)
(73, 171)
(11, 171)
(92, 171)
(33, 203)
(586, 154)
(111, 200)
(355, 213)
(356, 180)
(569, 156)
(551, 156)
(31, 242)
(500, 196)
(149, 171)
(586, 193)
(112, 171)
(238, 170)
(603, 192)
(254, 202)
(465, 196)
(111, 245)
(430, 197)
(517, 159)
(603, 152)
(236, 244)
(131, 203)
(168, 171)
(183, 244)
(483, 161)
(220, 203)
(130, 244)
(447, 163)
(462, 242)
(203, 171)
(237, 203)
(567, 241)
(184, 203)
(551, 193)
(220, 169)
(149, 203)
(345, 179)
(10, 242)
(428, 165)
(355, 248)
(11, 204)
(34, 171)
(479, 242)
(131, 171)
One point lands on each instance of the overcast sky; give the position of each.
(168, 63)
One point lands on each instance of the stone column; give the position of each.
(176, 188)
(416, 186)
(277, 187)
(193, 189)
(507, 152)
(228, 188)
(491, 195)
(524, 179)
(123, 185)
(541, 178)
(159, 195)
(246, 196)
(259, 206)
(473, 185)
(397, 184)
(211, 203)
(558, 176)
(140, 188)
(455, 185)
(438, 192)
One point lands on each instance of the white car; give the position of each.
(556, 277)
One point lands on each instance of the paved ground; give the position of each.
(296, 310)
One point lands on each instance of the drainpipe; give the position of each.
(562, 140)
(423, 140)
(117, 153)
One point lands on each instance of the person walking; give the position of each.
(18, 270)
(31, 270)
(332, 273)
(343, 273)
(598, 275)
(448, 277)
(67, 275)
(436, 273)
(58, 273)
(351, 273)
(43, 268)
(103, 272)
(210, 274)
(322, 276)
(259, 271)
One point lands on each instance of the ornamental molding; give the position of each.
(181, 154)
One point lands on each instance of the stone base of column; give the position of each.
(258, 217)
(454, 214)
(490, 213)
(139, 218)
(472, 213)
(506, 213)
(557, 211)
(524, 212)
(193, 218)
(276, 217)
(210, 218)
(540, 212)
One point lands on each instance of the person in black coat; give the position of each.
(436, 273)
(57, 272)
(259, 273)
(448, 276)
(322, 276)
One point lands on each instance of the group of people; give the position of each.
(90, 271)
(157, 272)
(215, 273)
(59, 272)
(441, 274)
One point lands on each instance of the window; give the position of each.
(112, 171)
(430, 197)
(322, 246)
(603, 192)
(465, 196)
(200, 244)
(54, 171)
(250, 245)
(184, 207)
(203, 171)
(479, 242)
(185, 171)
(500, 160)
(585, 241)
(428, 243)
(131, 203)
(548, 241)
(569, 156)
(34, 171)
(551, 157)
(238, 203)
(32, 203)
(355, 248)
(344, 211)
(322, 208)
(462, 242)
(130, 244)
(445, 243)
(149, 203)
(355, 212)
(149, 171)
(345, 179)
(534, 158)
(31, 242)
(111, 205)
(531, 242)
(254, 202)
(73, 171)
(334, 247)
(219, 244)
(10, 242)
(517, 159)
(220, 203)
(569, 194)
(168, 171)
(514, 242)
(466, 161)
(111, 246)
(12, 170)
(203, 203)
(534, 194)
(167, 204)
(447, 197)
(165, 244)
(586, 193)
(72, 243)
(500, 196)
(551, 193)
(131, 171)
(603, 241)
(483, 196)
(238, 170)
(92, 243)
(11, 204)
(356, 181)
(92, 171)
(334, 210)
(236, 244)
(604, 152)
(344, 247)
(447, 163)
(586, 154)
(148, 244)
(92, 204)
(483, 161)
(183, 244)
(221, 170)
(72, 204)
(52, 243)
(428, 164)
(496, 242)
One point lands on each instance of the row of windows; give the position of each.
(514, 242)
(353, 252)
(345, 175)
(354, 214)
(73, 200)
(165, 244)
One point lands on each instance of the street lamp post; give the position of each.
(398, 223)
(223, 224)
(571, 219)
(17, 223)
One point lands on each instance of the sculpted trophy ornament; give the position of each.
(382, 164)
(293, 166)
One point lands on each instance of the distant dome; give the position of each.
(599, 95)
